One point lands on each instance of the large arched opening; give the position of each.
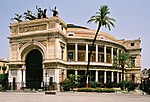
(34, 71)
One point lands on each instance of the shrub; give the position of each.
(107, 90)
(98, 84)
(66, 85)
(110, 85)
(70, 83)
(130, 85)
(95, 84)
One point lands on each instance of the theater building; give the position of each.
(3, 65)
(45, 51)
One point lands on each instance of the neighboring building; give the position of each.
(134, 49)
(3, 66)
(48, 50)
(145, 84)
(146, 74)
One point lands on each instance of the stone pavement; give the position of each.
(72, 97)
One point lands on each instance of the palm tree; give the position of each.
(102, 19)
(122, 60)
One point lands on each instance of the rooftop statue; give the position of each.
(29, 15)
(17, 18)
(55, 12)
(41, 13)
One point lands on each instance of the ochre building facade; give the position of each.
(46, 51)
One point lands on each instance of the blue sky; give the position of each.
(132, 18)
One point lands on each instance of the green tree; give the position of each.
(122, 60)
(71, 82)
(102, 19)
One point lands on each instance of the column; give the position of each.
(23, 75)
(121, 76)
(76, 52)
(104, 53)
(96, 53)
(24, 78)
(105, 75)
(117, 77)
(44, 76)
(112, 76)
(124, 76)
(112, 55)
(18, 79)
(65, 52)
(10, 76)
(96, 75)
(86, 52)
(76, 72)
(117, 51)
(56, 78)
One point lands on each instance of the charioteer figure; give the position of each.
(55, 12)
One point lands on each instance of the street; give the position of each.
(71, 97)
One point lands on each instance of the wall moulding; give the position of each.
(32, 28)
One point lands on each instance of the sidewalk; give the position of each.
(14, 96)
(136, 92)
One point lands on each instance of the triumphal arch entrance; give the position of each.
(36, 50)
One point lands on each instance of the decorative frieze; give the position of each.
(14, 30)
(15, 66)
(50, 65)
(51, 25)
(32, 28)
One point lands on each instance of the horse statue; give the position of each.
(55, 12)
(41, 13)
(17, 18)
(29, 15)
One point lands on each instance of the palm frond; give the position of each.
(102, 18)
(94, 19)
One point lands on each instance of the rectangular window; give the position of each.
(93, 58)
(70, 47)
(62, 52)
(132, 61)
(70, 52)
(132, 44)
(101, 57)
(81, 52)
(81, 56)
(115, 51)
(100, 53)
(70, 56)
(108, 55)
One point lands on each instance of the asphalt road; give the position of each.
(71, 97)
